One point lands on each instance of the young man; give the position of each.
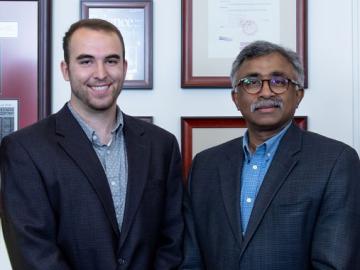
(91, 187)
(279, 197)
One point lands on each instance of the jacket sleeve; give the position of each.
(169, 253)
(28, 221)
(192, 257)
(336, 239)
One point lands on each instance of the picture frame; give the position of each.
(214, 32)
(9, 116)
(135, 22)
(148, 119)
(200, 133)
(25, 59)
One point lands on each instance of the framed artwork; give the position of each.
(200, 133)
(25, 67)
(215, 31)
(134, 20)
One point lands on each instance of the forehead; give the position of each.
(266, 65)
(85, 40)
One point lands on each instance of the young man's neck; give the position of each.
(103, 122)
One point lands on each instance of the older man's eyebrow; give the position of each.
(253, 74)
(278, 73)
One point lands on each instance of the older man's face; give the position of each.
(267, 115)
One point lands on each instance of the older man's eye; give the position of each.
(279, 81)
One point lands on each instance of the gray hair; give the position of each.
(261, 48)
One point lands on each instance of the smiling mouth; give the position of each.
(100, 87)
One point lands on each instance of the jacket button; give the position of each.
(121, 261)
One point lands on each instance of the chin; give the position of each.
(101, 107)
(271, 125)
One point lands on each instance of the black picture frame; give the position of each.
(103, 9)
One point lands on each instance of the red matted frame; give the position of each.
(188, 124)
(188, 80)
(146, 5)
(43, 72)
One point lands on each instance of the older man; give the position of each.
(279, 197)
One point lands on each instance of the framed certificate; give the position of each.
(215, 31)
(134, 20)
(9, 116)
(200, 133)
(25, 67)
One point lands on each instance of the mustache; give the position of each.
(266, 103)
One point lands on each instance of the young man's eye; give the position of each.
(112, 61)
(85, 62)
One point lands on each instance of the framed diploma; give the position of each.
(200, 133)
(215, 31)
(25, 67)
(134, 20)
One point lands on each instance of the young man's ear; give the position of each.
(64, 70)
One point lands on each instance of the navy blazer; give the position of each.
(58, 211)
(306, 214)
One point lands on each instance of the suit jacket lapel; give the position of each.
(138, 155)
(284, 161)
(230, 173)
(75, 143)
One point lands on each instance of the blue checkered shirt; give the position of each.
(253, 172)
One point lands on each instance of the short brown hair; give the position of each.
(94, 24)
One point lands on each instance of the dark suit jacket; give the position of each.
(58, 211)
(306, 214)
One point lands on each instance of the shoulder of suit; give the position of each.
(318, 140)
(36, 129)
(314, 145)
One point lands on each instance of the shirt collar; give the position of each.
(269, 146)
(89, 131)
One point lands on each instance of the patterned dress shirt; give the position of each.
(254, 170)
(113, 159)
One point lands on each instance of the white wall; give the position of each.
(328, 101)
(331, 102)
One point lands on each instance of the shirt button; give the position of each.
(121, 261)
(94, 137)
(248, 200)
(113, 183)
(255, 167)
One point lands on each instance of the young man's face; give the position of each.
(96, 69)
(267, 117)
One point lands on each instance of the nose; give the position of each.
(265, 89)
(100, 72)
